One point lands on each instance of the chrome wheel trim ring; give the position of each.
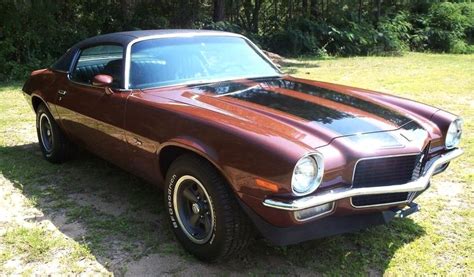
(46, 133)
(178, 213)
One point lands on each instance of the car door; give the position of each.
(88, 114)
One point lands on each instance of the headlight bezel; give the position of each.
(318, 160)
(452, 139)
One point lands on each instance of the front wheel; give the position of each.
(204, 214)
(53, 143)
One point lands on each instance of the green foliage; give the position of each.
(448, 25)
(300, 37)
(444, 27)
(147, 16)
(396, 33)
(35, 33)
(225, 26)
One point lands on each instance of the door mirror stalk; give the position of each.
(103, 80)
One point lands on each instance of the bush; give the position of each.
(448, 24)
(147, 16)
(396, 33)
(226, 26)
(351, 38)
(34, 35)
(300, 37)
(346, 38)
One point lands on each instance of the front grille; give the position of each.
(386, 171)
(378, 199)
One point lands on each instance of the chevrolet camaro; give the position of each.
(239, 148)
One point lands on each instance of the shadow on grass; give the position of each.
(293, 66)
(121, 220)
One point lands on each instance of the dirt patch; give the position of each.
(450, 189)
(74, 230)
(158, 264)
(115, 208)
(449, 192)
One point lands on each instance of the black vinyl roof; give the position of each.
(122, 38)
(126, 37)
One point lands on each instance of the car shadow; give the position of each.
(122, 221)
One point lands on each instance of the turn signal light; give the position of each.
(314, 211)
(266, 185)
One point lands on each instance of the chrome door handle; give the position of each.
(62, 92)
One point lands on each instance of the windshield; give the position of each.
(200, 59)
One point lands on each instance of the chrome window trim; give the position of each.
(128, 50)
(59, 70)
(75, 60)
(341, 193)
(97, 87)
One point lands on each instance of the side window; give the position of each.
(102, 59)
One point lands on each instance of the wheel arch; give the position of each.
(37, 100)
(170, 151)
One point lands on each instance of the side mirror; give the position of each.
(103, 80)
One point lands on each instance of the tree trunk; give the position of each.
(377, 18)
(256, 15)
(186, 12)
(275, 8)
(290, 10)
(304, 7)
(323, 15)
(219, 10)
(360, 10)
(230, 8)
(314, 8)
(125, 7)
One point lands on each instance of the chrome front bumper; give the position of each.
(340, 193)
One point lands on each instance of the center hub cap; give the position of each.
(195, 208)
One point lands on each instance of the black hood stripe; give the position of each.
(336, 120)
(358, 103)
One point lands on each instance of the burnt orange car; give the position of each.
(237, 145)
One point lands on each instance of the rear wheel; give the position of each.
(53, 143)
(204, 214)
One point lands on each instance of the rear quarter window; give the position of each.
(64, 63)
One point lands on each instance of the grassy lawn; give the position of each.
(88, 216)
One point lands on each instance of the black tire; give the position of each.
(231, 230)
(54, 145)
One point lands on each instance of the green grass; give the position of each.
(437, 240)
(36, 244)
(31, 243)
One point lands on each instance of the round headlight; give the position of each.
(307, 175)
(453, 136)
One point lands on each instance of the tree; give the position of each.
(314, 9)
(219, 10)
(379, 7)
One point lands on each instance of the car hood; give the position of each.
(313, 113)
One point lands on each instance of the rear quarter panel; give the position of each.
(41, 85)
